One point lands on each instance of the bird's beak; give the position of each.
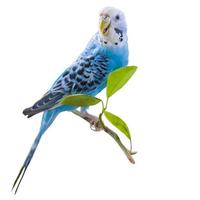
(104, 24)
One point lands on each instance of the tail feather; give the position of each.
(20, 175)
(24, 167)
(48, 118)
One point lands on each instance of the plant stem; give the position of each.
(117, 139)
(109, 131)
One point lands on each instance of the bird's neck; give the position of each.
(117, 53)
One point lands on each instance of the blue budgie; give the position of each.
(105, 52)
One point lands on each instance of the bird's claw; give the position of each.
(94, 121)
(95, 125)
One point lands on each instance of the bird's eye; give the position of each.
(117, 17)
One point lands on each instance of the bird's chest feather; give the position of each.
(118, 57)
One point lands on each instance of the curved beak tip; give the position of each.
(104, 25)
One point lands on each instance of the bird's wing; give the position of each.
(85, 76)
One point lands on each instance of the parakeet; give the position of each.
(105, 52)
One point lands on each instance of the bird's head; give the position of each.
(112, 27)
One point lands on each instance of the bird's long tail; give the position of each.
(48, 118)
(26, 163)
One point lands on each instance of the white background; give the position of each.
(161, 103)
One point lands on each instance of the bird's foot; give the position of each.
(94, 121)
(95, 124)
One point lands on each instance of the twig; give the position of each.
(99, 125)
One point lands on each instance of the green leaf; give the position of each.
(118, 123)
(118, 78)
(80, 100)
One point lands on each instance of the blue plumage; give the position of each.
(106, 51)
